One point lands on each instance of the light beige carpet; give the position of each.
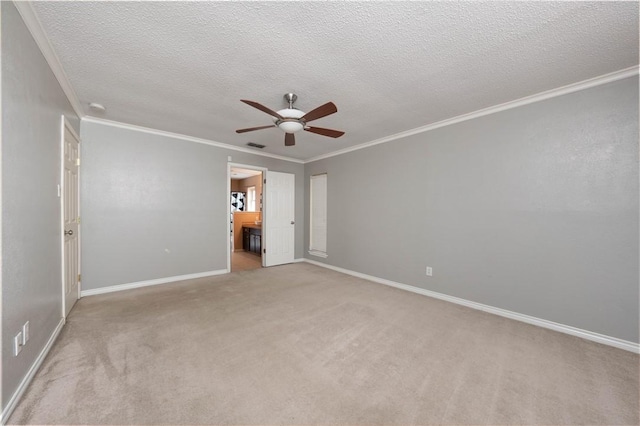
(299, 344)
(243, 261)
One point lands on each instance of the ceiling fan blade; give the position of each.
(322, 111)
(262, 108)
(289, 139)
(325, 132)
(251, 129)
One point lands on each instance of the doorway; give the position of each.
(246, 238)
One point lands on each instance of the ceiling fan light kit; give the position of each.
(291, 120)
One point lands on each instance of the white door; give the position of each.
(70, 215)
(280, 219)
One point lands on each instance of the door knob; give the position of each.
(69, 232)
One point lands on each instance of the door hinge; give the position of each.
(79, 277)
(264, 251)
(77, 161)
(265, 181)
(78, 220)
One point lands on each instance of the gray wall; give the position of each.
(143, 194)
(533, 209)
(32, 103)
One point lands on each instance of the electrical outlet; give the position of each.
(17, 344)
(25, 333)
(429, 271)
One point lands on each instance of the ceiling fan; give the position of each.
(291, 120)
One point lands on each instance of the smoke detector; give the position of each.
(97, 107)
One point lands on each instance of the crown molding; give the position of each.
(90, 119)
(34, 26)
(564, 90)
(32, 22)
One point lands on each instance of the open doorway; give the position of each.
(246, 206)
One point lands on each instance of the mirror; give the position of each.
(247, 185)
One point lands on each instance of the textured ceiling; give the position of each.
(388, 66)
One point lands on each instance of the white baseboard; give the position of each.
(562, 328)
(13, 402)
(147, 283)
(318, 253)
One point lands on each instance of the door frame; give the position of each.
(263, 170)
(65, 124)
